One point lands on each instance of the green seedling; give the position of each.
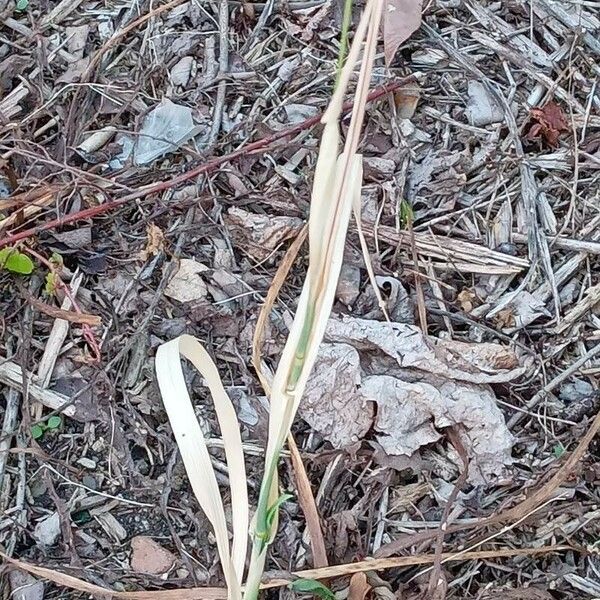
(274, 509)
(312, 586)
(406, 214)
(15, 262)
(52, 424)
(558, 450)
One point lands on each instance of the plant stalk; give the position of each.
(346, 20)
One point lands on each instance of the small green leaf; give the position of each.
(37, 431)
(275, 507)
(54, 422)
(22, 5)
(312, 586)
(16, 262)
(558, 450)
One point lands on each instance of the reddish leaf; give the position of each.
(549, 122)
(401, 18)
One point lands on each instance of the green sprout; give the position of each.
(52, 424)
(15, 262)
(312, 586)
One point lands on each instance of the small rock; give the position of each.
(47, 531)
(86, 463)
(25, 587)
(482, 108)
(149, 557)
(89, 482)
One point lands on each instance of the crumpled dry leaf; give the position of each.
(187, 285)
(332, 404)
(259, 235)
(81, 237)
(401, 18)
(520, 309)
(412, 414)
(154, 243)
(440, 172)
(473, 363)
(419, 385)
(549, 122)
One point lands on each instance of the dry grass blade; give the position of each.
(195, 453)
(335, 187)
(213, 593)
(337, 183)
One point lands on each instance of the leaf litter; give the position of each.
(427, 386)
(516, 232)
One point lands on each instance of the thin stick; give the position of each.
(223, 67)
(214, 593)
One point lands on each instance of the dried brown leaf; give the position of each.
(549, 122)
(154, 243)
(401, 19)
(332, 404)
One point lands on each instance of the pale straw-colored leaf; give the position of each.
(194, 452)
(334, 192)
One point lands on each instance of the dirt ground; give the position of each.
(158, 157)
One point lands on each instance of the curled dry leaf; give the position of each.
(155, 242)
(406, 99)
(359, 587)
(419, 385)
(474, 363)
(549, 122)
(401, 19)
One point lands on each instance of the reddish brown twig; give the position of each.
(78, 316)
(207, 167)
